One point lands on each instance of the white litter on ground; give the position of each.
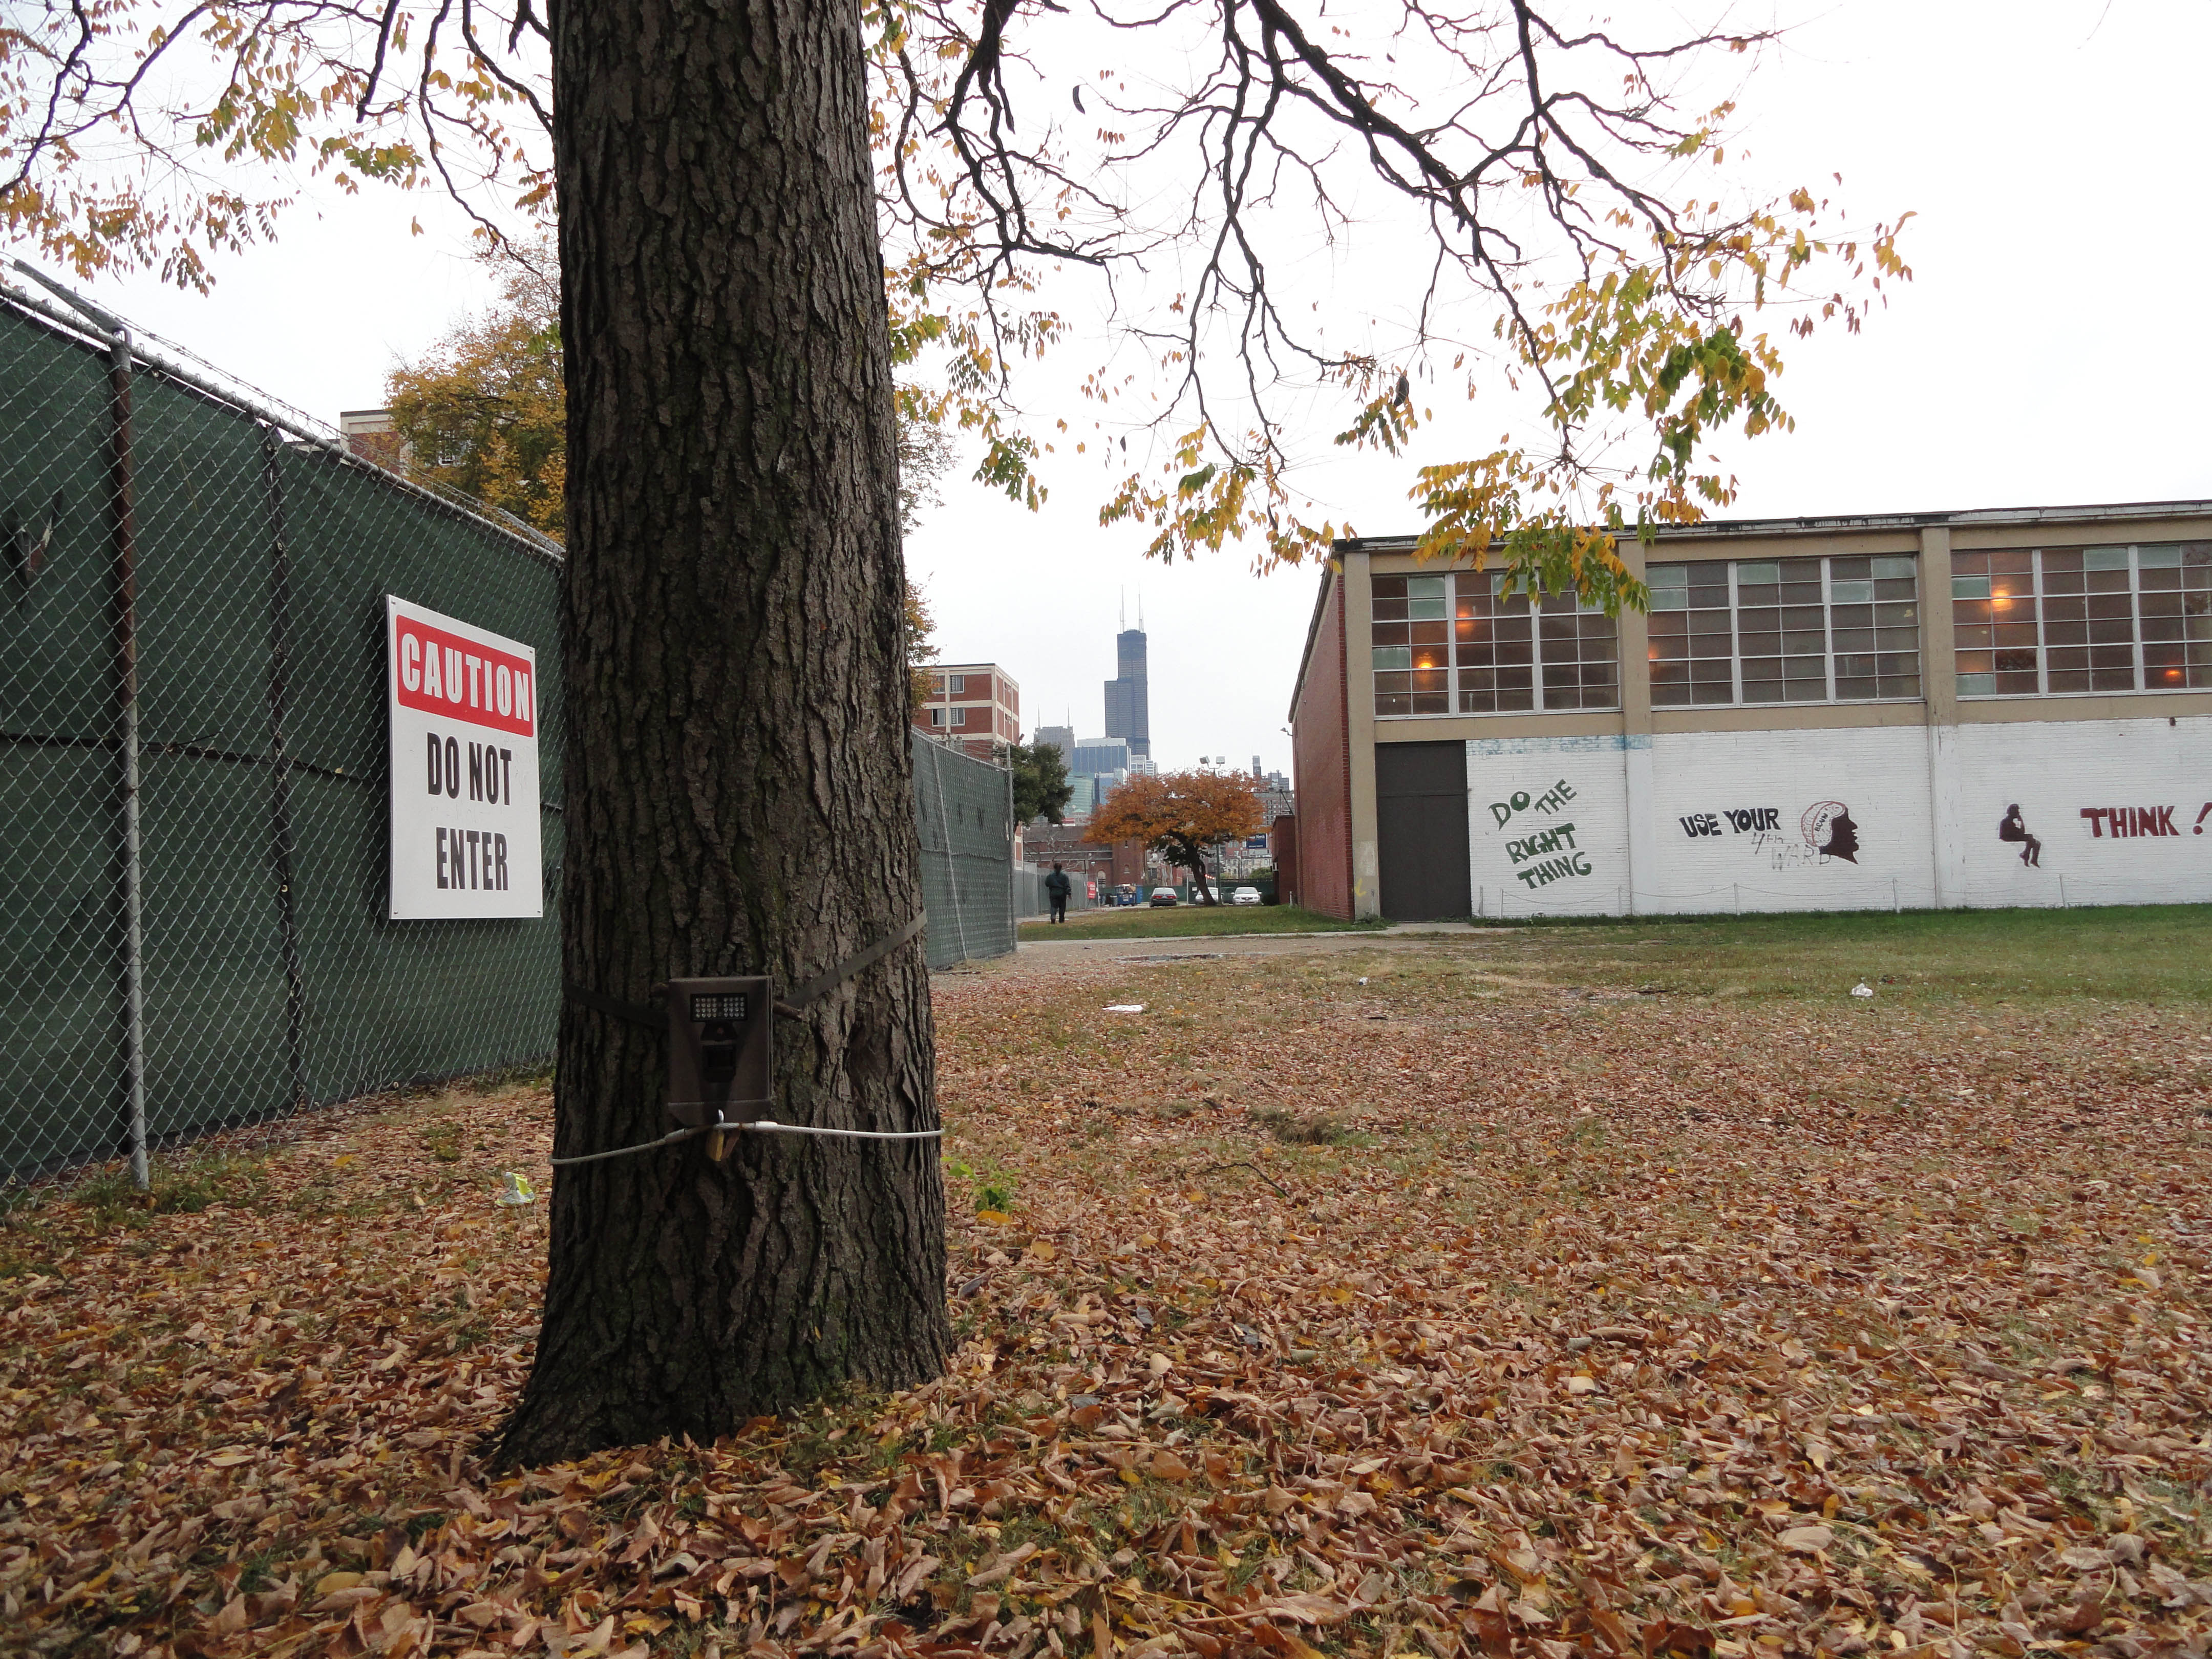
(1862, 989)
(1125, 1007)
(518, 1190)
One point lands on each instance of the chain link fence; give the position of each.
(193, 766)
(1030, 898)
(194, 774)
(964, 809)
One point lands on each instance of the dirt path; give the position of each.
(1047, 957)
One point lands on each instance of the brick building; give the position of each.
(1945, 709)
(1045, 844)
(975, 706)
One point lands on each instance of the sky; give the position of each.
(2048, 349)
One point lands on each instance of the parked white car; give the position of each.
(1245, 896)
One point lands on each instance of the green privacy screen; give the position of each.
(272, 979)
(964, 809)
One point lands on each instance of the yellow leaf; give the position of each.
(994, 1218)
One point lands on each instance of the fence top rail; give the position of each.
(91, 324)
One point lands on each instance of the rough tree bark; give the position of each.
(738, 790)
(1191, 857)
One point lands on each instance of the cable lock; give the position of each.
(719, 1056)
(766, 1126)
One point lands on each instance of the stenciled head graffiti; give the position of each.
(1829, 831)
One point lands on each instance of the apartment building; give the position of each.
(975, 706)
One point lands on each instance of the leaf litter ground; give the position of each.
(1429, 1299)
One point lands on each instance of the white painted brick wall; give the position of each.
(2053, 773)
(1842, 820)
(1771, 801)
(1557, 782)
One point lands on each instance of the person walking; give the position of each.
(1055, 889)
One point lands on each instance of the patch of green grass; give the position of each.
(994, 1188)
(1294, 1130)
(1980, 962)
(184, 1185)
(1190, 920)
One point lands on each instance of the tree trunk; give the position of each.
(739, 791)
(1193, 859)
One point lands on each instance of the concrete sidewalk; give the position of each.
(1050, 954)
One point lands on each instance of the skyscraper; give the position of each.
(1129, 697)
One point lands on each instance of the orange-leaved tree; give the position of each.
(485, 411)
(1179, 815)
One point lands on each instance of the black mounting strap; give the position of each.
(615, 1008)
(852, 964)
(656, 1018)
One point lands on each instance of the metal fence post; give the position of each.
(139, 939)
(125, 511)
(280, 774)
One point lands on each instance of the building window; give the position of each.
(2056, 621)
(1459, 643)
(956, 685)
(1784, 630)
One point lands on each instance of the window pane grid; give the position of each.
(1456, 643)
(1765, 631)
(2069, 620)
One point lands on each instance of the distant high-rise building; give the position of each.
(1129, 697)
(1090, 757)
(1062, 738)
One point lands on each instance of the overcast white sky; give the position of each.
(2049, 348)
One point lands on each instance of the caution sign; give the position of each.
(463, 718)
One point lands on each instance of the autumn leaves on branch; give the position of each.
(1576, 246)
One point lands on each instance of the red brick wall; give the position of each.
(1283, 847)
(1128, 862)
(1321, 756)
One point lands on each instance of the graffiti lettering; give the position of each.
(1550, 870)
(2127, 821)
(1744, 820)
(1550, 801)
(1538, 845)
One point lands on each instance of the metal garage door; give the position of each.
(1420, 803)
